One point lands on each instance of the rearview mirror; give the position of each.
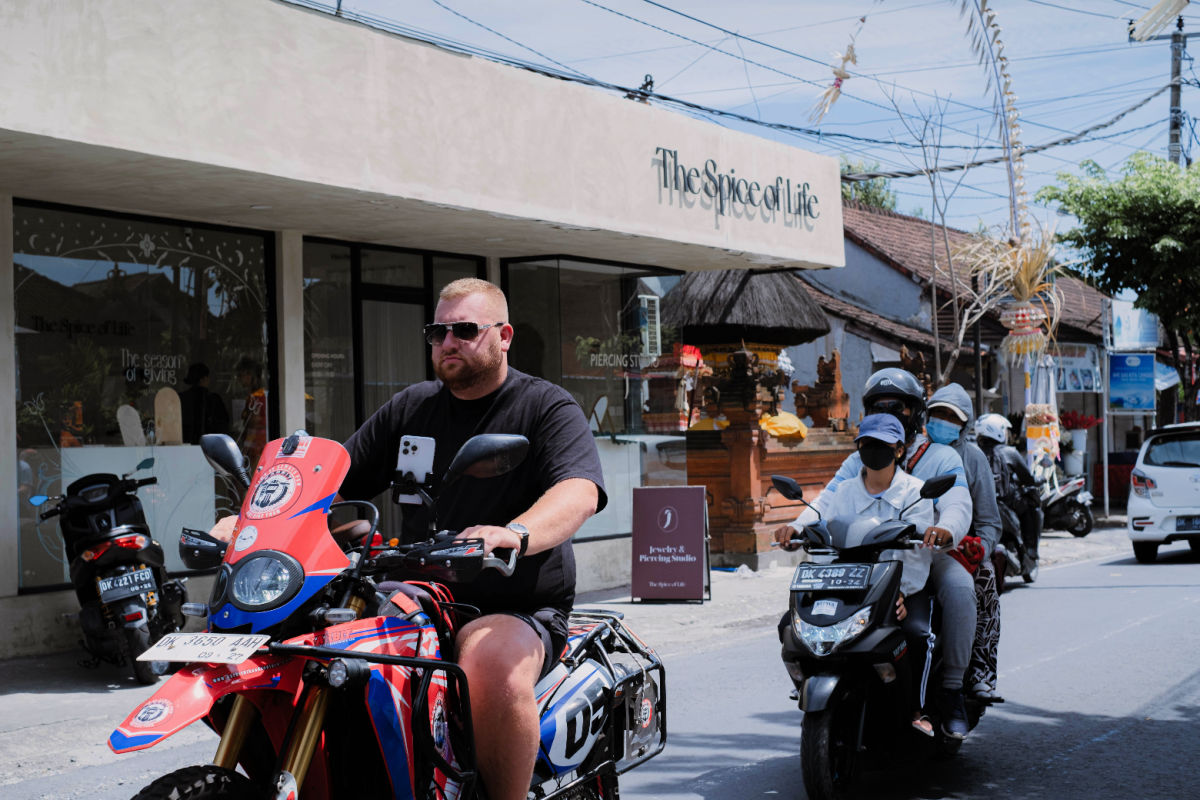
(487, 455)
(936, 487)
(223, 454)
(38, 499)
(145, 463)
(787, 487)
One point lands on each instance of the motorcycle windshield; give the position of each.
(285, 511)
(853, 531)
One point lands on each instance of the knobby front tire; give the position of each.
(200, 783)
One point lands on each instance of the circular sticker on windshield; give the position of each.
(275, 492)
(245, 538)
(152, 713)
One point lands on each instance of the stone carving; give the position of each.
(825, 402)
(918, 365)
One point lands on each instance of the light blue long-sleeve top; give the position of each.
(953, 509)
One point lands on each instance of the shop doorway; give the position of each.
(365, 307)
(393, 350)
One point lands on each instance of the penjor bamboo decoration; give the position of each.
(1023, 260)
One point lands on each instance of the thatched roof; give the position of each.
(728, 306)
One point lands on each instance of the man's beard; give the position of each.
(468, 374)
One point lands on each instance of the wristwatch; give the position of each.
(523, 532)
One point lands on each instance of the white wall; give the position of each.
(271, 89)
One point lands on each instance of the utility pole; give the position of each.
(1175, 121)
(1178, 43)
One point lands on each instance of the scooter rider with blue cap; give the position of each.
(897, 392)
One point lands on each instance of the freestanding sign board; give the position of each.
(1131, 381)
(670, 543)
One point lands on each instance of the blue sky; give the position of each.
(1071, 63)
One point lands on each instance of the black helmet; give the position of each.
(894, 382)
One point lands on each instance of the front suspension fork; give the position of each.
(302, 737)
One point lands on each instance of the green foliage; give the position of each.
(1140, 231)
(876, 193)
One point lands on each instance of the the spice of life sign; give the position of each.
(670, 554)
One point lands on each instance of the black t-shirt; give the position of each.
(561, 447)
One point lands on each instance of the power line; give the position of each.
(713, 114)
(1072, 139)
(784, 50)
(509, 39)
(1076, 10)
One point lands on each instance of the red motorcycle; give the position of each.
(325, 681)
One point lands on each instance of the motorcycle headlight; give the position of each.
(265, 580)
(822, 639)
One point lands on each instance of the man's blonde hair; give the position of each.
(469, 286)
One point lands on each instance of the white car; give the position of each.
(1164, 491)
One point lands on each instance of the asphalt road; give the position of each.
(1099, 666)
(1099, 661)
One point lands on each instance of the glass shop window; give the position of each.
(133, 338)
(595, 329)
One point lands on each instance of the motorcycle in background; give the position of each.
(328, 667)
(1010, 558)
(1066, 505)
(126, 600)
(846, 652)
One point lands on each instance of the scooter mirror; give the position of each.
(145, 463)
(487, 455)
(787, 487)
(936, 487)
(225, 457)
(38, 499)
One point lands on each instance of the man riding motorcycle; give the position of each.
(534, 509)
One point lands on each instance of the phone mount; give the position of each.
(405, 483)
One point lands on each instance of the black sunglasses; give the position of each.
(435, 332)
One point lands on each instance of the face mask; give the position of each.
(941, 431)
(877, 455)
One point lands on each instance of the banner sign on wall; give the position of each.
(1131, 381)
(1133, 328)
(670, 543)
(1078, 368)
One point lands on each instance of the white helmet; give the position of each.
(994, 427)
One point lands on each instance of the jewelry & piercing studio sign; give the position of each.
(726, 188)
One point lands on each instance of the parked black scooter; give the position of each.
(846, 652)
(126, 600)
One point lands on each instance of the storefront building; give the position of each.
(239, 215)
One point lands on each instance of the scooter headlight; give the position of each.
(265, 580)
(822, 639)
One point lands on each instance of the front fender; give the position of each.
(816, 691)
(189, 695)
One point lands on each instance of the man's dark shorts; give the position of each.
(550, 624)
